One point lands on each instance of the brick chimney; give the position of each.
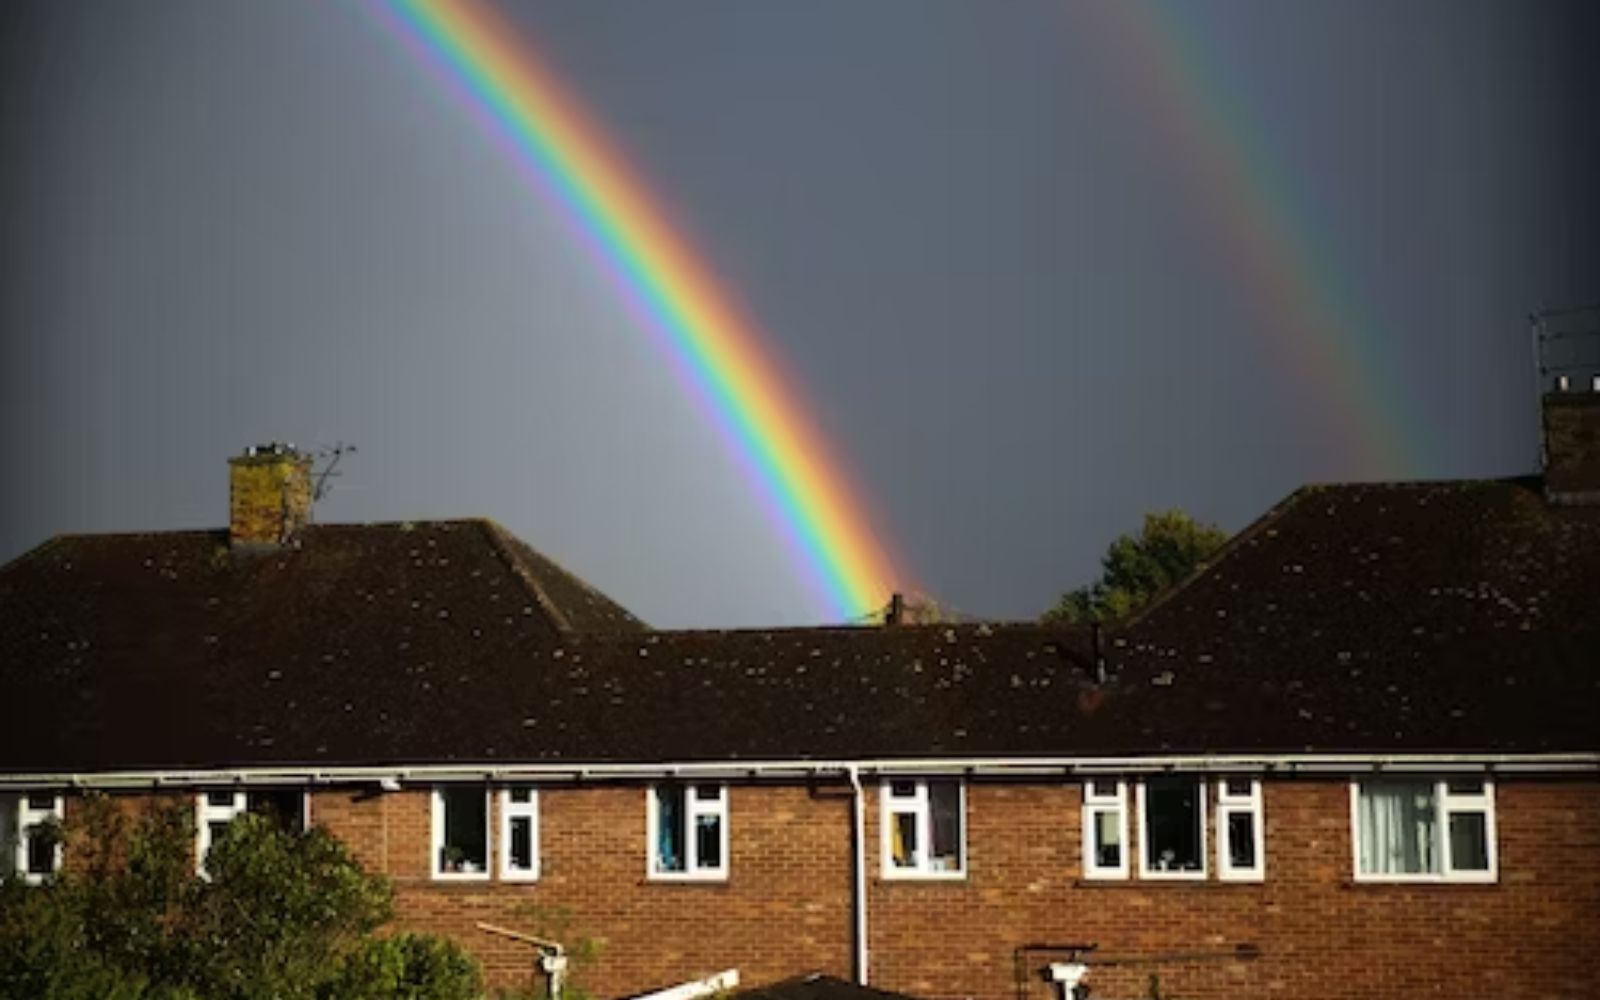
(1572, 444)
(1567, 350)
(269, 495)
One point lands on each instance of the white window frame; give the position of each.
(694, 807)
(205, 814)
(436, 841)
(27, 818)
(1248, 804)
(1445, 803)
(510, 810)
(920, 804)
(1145, 872)
(1095, 805)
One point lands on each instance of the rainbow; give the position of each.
(718, 352)
(1312, 320)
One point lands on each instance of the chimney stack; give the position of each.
(895, 614)
(269, 496)
(1567, 344)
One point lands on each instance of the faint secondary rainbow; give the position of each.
(1312, 319)
(718, 351)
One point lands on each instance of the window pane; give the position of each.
(1104, 789)
(1108, 839)
(1466, 786)
(1173, 822)
(670, 830)
(1397, 828)
(708, 841)
(944, 801)
(1469, 841)
(707, 793)
(903, 839)
(218, 829)
(1241, 840)
(521, 843)
(466, 841)
(1238, 788)
(41, 852)
(521, 793)
(41, 801)
(284, 806)
(8, 835)
(903, 789)
(221, 800)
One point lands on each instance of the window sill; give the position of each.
(915, 876)
(1164, 884)
(458, 877)
(1422, 882)
(687, 878)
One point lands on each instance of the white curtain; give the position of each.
(1398, 828)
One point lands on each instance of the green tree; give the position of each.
(1136, 568)
(280, 915)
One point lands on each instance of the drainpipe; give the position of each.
(859, 815)
(552, 956)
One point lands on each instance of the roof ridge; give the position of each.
(1272, 515)
(498, 539)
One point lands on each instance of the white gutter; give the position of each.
(999, 767)
(858, 810)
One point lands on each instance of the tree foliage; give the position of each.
(280, 915)
(1170, 546)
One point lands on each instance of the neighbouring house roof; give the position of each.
(1448, 617)
(815, 986)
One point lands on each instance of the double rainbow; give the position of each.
(1311, 317)
(718, 351)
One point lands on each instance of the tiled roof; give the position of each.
(1451, 617)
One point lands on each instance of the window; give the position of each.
(688, 827)
(519, 833)
(28, 847)
(924, 828)
(461, 832)
(1409, 830)
(214, 810)
(1105, 828)
(1172, 827)
(1241, 854)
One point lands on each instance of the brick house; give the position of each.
(1354, 756)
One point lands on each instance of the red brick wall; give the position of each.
(786, 906)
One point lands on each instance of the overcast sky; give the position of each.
(1010, 295)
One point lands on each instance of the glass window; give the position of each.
(1240, 835)
(688, 831)
(216, 810)
(1105, 829)
(1172, 818)
(30, 842)
(9, 835)
(1424, 829)
(519, 833)
(1398, 828)
(924, 828)
(461, 832)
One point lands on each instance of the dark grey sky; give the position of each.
(1004, 291)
